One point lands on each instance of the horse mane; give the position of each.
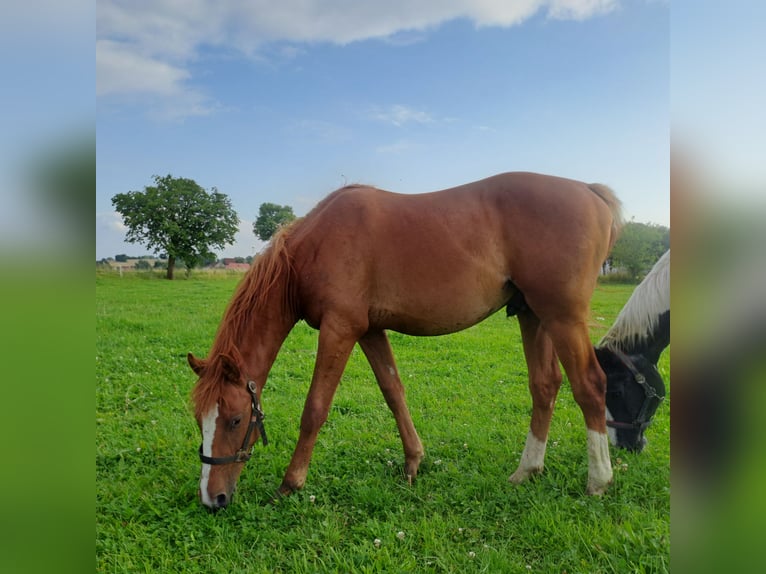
(271, 269)
(641, 313)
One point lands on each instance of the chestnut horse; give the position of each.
(365, 260)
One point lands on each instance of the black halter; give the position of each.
(256, 421)
(651, 401)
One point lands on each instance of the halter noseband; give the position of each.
(639, 423)
(256, 421)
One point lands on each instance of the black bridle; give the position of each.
(652, 398)
(256, 421)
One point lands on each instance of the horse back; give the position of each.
(392, 253)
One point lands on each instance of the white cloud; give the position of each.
(147, 46)
(320, 130)
(397, 147)
(120, 69)
(399, 115)
(111, 221)
(124, 72)
(579, 9)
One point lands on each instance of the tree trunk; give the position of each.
(171, 266)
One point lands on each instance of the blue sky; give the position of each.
(286, 104)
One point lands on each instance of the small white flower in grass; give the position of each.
(438, 461)
(460, 530)
(376, 542)
(400, 535)
(390, 462)
(312, 499)
(138, 449)
(529, 567)
(472, 554)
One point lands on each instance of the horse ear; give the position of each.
(231, 369)
(196, 364)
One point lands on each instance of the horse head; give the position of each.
(228, 412)
(634, 390)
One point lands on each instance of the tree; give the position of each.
(270, 218)
(639, 247)
(179, 218)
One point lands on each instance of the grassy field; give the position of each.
(468, 397)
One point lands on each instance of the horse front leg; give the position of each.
(544, 383)
(335, 346)
(377, 349)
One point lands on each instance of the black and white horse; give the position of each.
(628, 354)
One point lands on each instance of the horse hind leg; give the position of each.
(377, 349)
(544, 383)
(588, 384)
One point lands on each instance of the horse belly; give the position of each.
(438, 313)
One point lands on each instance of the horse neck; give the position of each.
(257, 327)
(643, 325)
(261, 343)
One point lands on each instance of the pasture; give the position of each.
(468, 397)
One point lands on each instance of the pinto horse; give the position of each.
(628, 354)
(366, 260)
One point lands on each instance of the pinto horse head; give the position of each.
(228, 412)
(634, 390)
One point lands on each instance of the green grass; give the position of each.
(468, 397)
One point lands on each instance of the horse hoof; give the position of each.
(283, 491)
(597, 489)
(522, 475)
(518, 477)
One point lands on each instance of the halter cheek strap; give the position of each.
(256, 421)
(639, 423)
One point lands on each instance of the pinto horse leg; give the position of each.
(335, 346)
(378, 351)
(588, 384)
(544, 382)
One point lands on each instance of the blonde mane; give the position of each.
(640, 314)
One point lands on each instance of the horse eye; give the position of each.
(235, 422)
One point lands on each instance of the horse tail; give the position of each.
(608, 196)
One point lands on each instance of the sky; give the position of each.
(285, 102)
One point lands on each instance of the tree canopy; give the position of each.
(177, 216)
(270, 218)
(639, 247)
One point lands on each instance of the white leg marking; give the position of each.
(611, 432)
(599, 463)
(208, 432)
(532, 459)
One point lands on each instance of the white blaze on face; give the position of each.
(611, 432)
(208, 432)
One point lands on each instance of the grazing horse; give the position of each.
(366, 260)
(628, 354)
